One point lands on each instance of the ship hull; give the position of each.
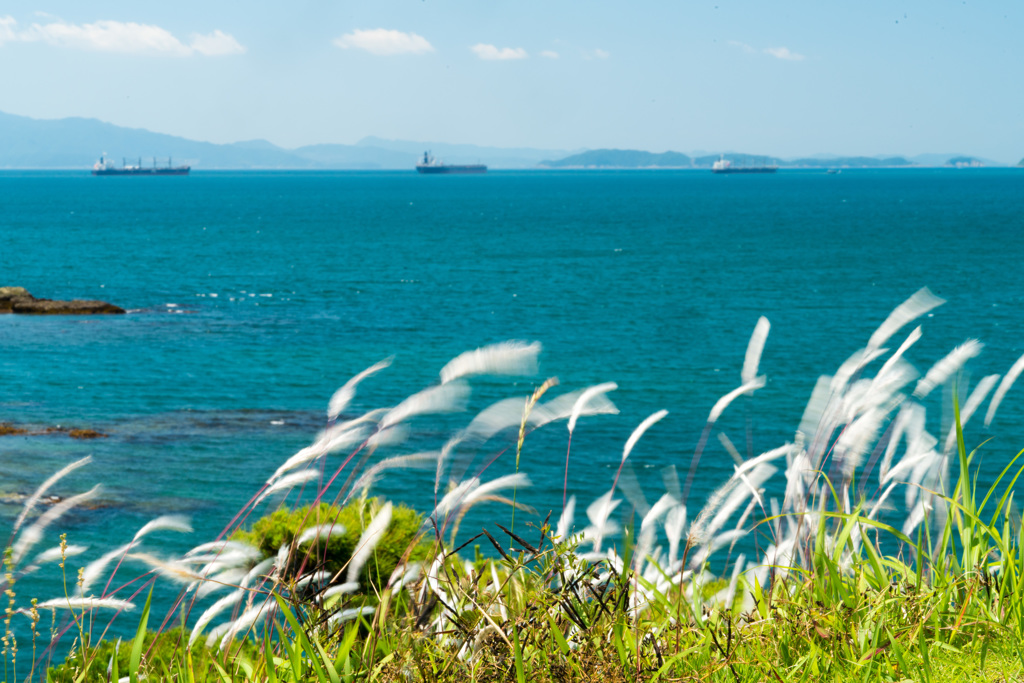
(750, 169)
(178, 170)
(440, 169)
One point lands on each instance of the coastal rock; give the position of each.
(19, 300)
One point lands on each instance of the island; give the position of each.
(19, 300)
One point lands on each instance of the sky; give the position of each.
(780, 78)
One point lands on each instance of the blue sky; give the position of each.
(783, 78)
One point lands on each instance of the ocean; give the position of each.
(253, 296)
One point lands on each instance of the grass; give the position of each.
(841, 585)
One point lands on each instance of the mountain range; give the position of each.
(76, 143)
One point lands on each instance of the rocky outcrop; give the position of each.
(18, 300)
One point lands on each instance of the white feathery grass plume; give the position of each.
(799, 476)
(443, 398)
(212, 611)
(699, 529)
(644, 546)
(94, 569)
(451, 501)
(737, 570)
(911, 339)
(723, 403)
(639, 431)
(670, 478)
(86, 604)
(178, 523)
(32, 500)
(442, 458)
(943, 369)
(561, 407)
(249, 619)
(598, 513)
(281, 560)
(754, 349)
(31, 535)
(506, 358)
(675, 527)
(629, 484)
(917, 305)
(260, 569)
(855, 440)
(767, 456)
(392, 436)
(915, 517)
(714, 545)
(368, 541)
(504, 414)
(517, 480)
(332, 439)
(496, 585)
(976, 398)
(585, 398)
(908, 462)
(219, 581)
(341, 589)
(661, 507)
(881, 500)
(319, 532)
(343, 396)
(730, 448)
(1004, 386)
(315, 577)
(351, 613)
(404, 575)
(905, 420)
(219, 547)
(287, 482)
(54, 554)
(854, 364)
(370, 476)
(816, 406)
(566, 518)
(175, 571)
(738, 495)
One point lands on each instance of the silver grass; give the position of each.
(660, 508)
(767, 456)
(816, 405)
(923, 469)
(368, 541)
(1004, 386)
(224, 579)
(909, 462)
(855, 440)
(343, 396)
(675, 527)
(506, 358)
(330, 440)
(970, 406)
(212, 611)
(670, 478)
(504, 414)
(175, 571)
(287, 482)
(698, 530)
(309, 579)
(639, 431)
(629, 484)
(911, 339)
(392, 436)
(341, 589)
(350, 614)
(442, 458)
(943, 369)
(87, 603)
(215, 634)
(915, 517)
(714, 545)
(566, 518)
(561, 407)
(32, 500)
(31, 535)
(508, 481)
(249, 619)
(452, 500)
(54, 554)
(737, 570)
(177, 523)
(320, 532)
(405, 575)
(260, 570)
(730, 448)
(445, 398)
(220, 547)
(754, 349)
(739, 494)
(917, 305)
(584, 398)
(854, 364)
(281, 561)
(370, 476)
(905, 420)
(94, 569)
(598, 513)
(723, 403)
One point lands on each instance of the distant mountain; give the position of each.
(78, 142)
(621, 158)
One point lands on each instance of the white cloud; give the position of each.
(118, 36)
(484, 51)
(783, 53)
(743, 46)
(550, 54)
(382, 41)
(597, 53)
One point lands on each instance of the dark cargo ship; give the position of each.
(105, 167)
(725, 166)
(432, 165)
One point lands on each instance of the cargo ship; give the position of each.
(105, 167)
(723, 165)
(432, 165)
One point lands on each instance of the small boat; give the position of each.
(432, 165)
(105, 167)
(723, 165)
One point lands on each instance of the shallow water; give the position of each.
(253, 296)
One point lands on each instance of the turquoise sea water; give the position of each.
(253, 296)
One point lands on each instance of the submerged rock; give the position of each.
(19, 300)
